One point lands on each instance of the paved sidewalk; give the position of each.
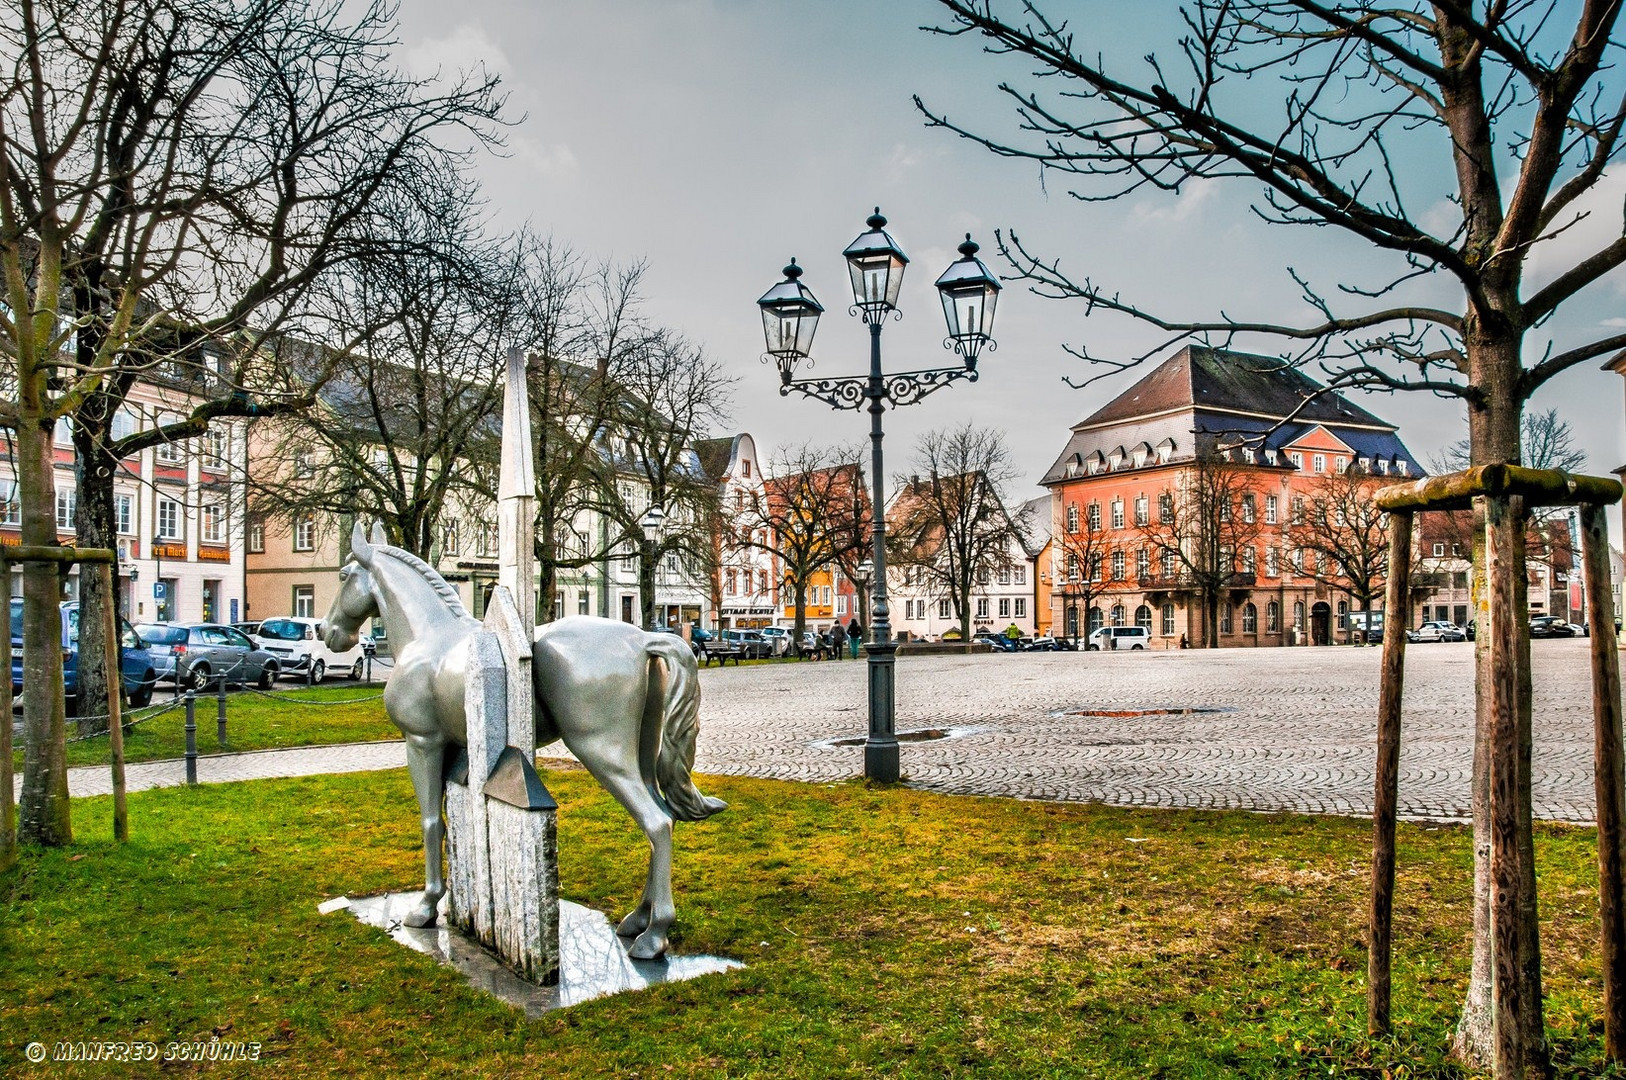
(1290, 729)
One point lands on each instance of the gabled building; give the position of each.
(1273, 434)
(745, 575)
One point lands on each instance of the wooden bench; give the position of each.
(721, 653)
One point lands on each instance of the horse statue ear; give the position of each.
(359, 547)
(379, 537)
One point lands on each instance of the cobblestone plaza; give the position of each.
(1293, 729)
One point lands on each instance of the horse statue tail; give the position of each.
(680, 725)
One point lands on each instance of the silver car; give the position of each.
(196, 654)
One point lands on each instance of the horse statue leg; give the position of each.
(425, 762)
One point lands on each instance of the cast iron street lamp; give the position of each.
(652, 521)
(790, 314)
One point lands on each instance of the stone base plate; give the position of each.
(593, 961)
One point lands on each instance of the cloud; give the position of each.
(555, 159)
(466, 48)
(1162, 211)
(1615, 322)
(903, 160)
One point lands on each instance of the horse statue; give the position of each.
(599, 687)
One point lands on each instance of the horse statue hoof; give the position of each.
(649, 946)
(422, 915)
(636, 922)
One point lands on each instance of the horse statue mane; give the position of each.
(442, 587)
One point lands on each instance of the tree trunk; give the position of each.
(1211, 623)
(97, 527)
(646, 583)
(799, 589)
(43, 810)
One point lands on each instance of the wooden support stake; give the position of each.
(115, 718)
(1385, 799)
(8, 796)
(1609, 776)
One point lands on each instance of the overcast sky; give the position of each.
(717, 138)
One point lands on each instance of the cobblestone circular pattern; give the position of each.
(1296, 730)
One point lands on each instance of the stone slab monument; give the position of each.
(502, 851)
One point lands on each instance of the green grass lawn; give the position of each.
(253, 722)
(887, 933)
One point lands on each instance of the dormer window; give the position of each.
(1165, 450)
(1400, 466)
(1365, 464)
(1115, 459)
(1248, 455)
(1271, 457)
(1383, 466)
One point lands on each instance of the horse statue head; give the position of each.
(357, 600)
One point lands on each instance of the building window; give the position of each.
(124, 424)
(942, 609)
(982, 607)
(1021, 571)
(1004, 607)
(1117, 513)
(169, 519)
(1168, 620)
(64, 432)
(1318, 463)
(841, 604)
(1250, 619)
(1072, 517)
(124, 513)
(1095, 566)
(1094, 620)
(216, 447)
(730, 582)
(256, 536)
(67, 503)
(762, 582)
(1072, 566)
(1165, 509)
(212, 523)
(11, 507)
(488, 539)
(1439, 551)
(170, 453)
(1094, 517)
(982, 575)
(1273, 567)
(1270, 510)
(304, 601)
(1298, 614)
(581, 603)
(448, 538)
(1143, 563)
(1225, 508)
(1298, 510)
(1118, 565)
(1021, 607)
(1341, 464)
(1143, 510)
(1250, 509)
(1273, 618)
(1004, 575)
(1225, 619)
(1118, 614)
(1168, 565)
(305, 534)
(1143, 617)
(1296, 458)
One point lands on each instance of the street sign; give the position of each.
(159, 590)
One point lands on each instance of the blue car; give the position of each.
(136, 662)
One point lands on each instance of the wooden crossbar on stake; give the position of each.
(1500, 485)
(65, 556)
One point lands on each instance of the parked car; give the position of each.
(1119, 638)
(199, 653)
(1437, 631)
(136, 666)
(1000, 642)
(1042, 643)
(777, 637)
(1545, 626)
(751, 643)
(252, 629)
(296, 642)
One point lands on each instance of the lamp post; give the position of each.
(790, 315)
(652, 521)
(159, 603)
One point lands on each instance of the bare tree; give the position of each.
(1547, 440)
(1517, 98)
(1200, 536)
(175, 178)
(670, 395)
(395, 430)
(1081, 548)
(949, 523)
(1344, 538)
(809, 516)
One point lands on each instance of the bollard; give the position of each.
(220, 712)
(191, 738)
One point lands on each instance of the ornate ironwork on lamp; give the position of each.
(790, 315)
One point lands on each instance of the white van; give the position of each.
(300, 651)
(1119, 637)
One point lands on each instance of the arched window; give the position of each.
(1298, 614)
(1250, 619)
(1072, 620)
(1143, 617)
(1273, 618)
(1118, 614)
(1168, 620)
(1095, 619)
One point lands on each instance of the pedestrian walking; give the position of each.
(838, 639)
(855, 636)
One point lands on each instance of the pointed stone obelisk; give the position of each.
(504, 847)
